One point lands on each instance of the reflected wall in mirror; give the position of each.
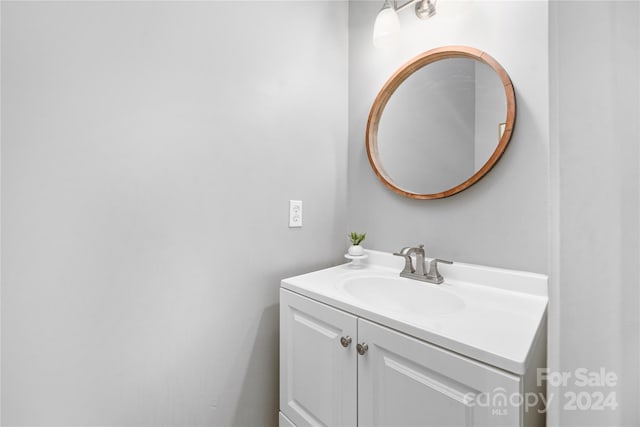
(441, 122)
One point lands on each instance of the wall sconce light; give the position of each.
(387, 24)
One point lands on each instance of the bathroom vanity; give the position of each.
(364, 347)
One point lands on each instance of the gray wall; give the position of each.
(502, 220)
(149, 150)
(595, 187)
(146, 173)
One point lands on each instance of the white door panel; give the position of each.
(318, 375)
(407, 382)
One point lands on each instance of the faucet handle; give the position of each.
(433, 275)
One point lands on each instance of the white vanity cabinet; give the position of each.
(398, 381)
(406, 382)
(318, 375)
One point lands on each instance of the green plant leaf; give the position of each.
(357, 238)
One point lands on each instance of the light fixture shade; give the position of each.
(386, 27)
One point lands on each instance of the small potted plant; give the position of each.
(355, 249)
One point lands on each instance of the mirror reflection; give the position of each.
(438, 126)
(441, 125)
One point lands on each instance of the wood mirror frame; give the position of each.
(399, 77)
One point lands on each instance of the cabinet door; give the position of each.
(406, 382)
(318, 375)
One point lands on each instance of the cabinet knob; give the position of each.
(345, 341)
(362, 348)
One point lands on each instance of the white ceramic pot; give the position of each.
(356, 250)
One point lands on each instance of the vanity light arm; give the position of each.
(424, 8)
(404, 6)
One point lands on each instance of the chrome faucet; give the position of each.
(432, 275)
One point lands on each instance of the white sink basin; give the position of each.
(403, 295)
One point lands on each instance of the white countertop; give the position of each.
(503, 312)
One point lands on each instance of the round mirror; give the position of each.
(441, 122)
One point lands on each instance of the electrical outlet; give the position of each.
(295, 213)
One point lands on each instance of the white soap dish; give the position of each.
(356, 260)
